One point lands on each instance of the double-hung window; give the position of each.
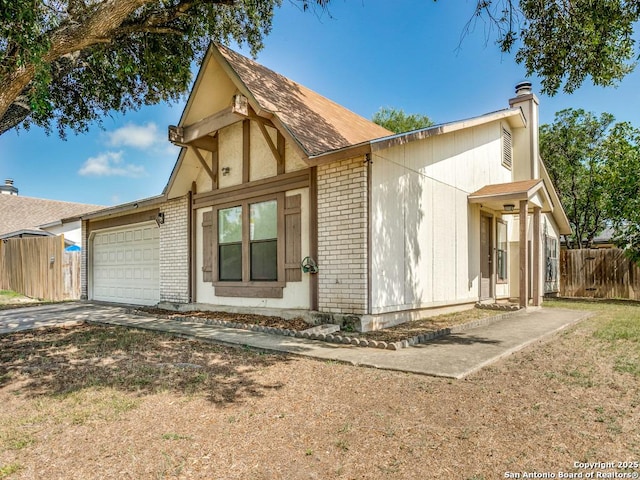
(248, 242)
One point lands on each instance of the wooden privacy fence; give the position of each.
(38, 267)
(598, 273)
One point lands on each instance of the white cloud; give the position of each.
(110, 164)
(136, 136)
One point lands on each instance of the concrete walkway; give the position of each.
(455, 356)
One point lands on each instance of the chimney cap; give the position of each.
(523, 88)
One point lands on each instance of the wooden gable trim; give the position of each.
(279, 183)
(246, 151)
(206, 126)
(207, 168)
(277, 151)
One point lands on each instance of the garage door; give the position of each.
(126, 264)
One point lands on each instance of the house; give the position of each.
(33, 217)
(283, 201)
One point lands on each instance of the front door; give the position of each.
(486, 257)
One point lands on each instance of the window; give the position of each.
(260, 244)
(551, 264)
(230, 244)
(263, 218)
(507, 149)
(502, 247)
(252, 247)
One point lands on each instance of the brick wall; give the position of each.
(342, 237)
(174, 251)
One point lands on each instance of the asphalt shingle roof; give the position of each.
(27, 213)
(319, 124)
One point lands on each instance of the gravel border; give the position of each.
(343, 339)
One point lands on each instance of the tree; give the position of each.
(573, 152)
(564, 42)
(398, 121)
(68, 62)
(622, 197)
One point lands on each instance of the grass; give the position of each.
(617, 327)
(10, 469)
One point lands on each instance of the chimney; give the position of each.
(528, 103)
(8, 188)
(523, 88)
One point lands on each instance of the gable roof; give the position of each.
(19, 213)
(318, 124)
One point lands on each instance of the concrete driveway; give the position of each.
(454, 356)
(57, 314)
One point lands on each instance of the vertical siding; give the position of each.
(425, 243)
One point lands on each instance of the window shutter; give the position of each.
(207, 247)
(293, 238)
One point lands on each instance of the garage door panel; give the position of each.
(126, 265)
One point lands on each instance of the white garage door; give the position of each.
(126, 265)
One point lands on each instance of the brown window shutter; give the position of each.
(207, 247)
(293, 238)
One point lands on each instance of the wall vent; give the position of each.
(507, 149)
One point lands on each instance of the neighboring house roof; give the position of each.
(19, 214)
(318, 124)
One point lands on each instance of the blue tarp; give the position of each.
(72, 248)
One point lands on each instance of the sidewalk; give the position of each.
(455, 356)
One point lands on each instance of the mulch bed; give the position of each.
(404, 332)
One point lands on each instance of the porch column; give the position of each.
(537, 295)
(524, 257)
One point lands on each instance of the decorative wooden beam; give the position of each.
(212, 175)
(281, 153)
(238, 111)
(272, 147)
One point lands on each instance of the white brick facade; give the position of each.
(174, 251)
(342, 237)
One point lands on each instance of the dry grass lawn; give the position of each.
(111, 403)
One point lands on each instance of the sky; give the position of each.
(363, 54)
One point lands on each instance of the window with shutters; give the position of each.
(252, 247)
(507, 149)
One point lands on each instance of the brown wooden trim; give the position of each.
(138, 217)
(215, 155)
(280, 244)
(249, 292)
(313, 233)
(190, 248)
(207, 143)
(212, 123)
(292, 238)
(281, 153)
(274, 150)
(280, 183)
(203, 162)
(246, 151)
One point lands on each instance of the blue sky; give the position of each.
(365, 55)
